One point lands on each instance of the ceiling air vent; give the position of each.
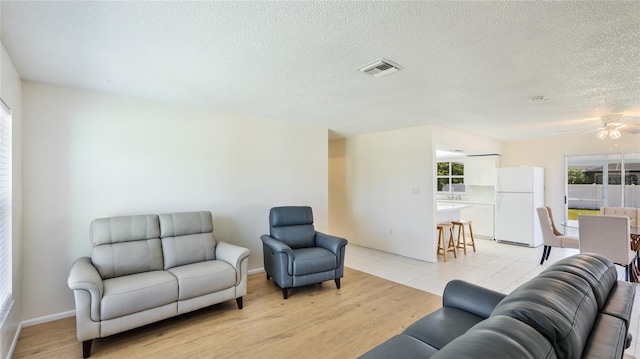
(380, 67)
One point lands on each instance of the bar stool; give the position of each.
(442, 246)
(462, 235)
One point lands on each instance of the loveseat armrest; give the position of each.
(471, 298)
(233, 255)
(331, 243)
(84, 276)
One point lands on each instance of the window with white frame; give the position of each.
(5, 206)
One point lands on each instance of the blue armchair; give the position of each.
(296, 255)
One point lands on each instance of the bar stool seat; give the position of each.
(443, 246)
(462, 238)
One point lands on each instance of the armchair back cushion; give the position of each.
(187, 238)
(125, 245)
(293, 226)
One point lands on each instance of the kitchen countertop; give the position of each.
(442, 207)
(453, 201)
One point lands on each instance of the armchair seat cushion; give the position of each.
(312, 260)
(202, 278)
(137, 292)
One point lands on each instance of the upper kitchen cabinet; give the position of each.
(481, 170)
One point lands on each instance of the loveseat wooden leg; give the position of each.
(86, 348)
(239, 301)
(285, 293)
(338, 283)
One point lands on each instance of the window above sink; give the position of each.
(450, 178)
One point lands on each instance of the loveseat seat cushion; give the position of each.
(137, 292)
(400, 346)
(313, 260)
(442, 326)
(202, 278)
(561, 306)
(498, 337)
(597, 270)
(187, 238)
(607, 338)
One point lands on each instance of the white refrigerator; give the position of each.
(519, 191)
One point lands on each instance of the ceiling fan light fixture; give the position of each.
(614, 134)
(602, 134)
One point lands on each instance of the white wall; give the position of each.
(372, 179)
(372, 198)
(89, 155)
(550, 153)
(11, 93)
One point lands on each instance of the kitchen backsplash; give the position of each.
(484, 194)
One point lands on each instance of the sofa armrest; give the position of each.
(233, 255)
(471, 298)
(84, 276)
(331, 243)
(276, 245)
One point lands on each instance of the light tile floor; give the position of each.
(501, 267)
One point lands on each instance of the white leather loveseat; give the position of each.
(146, 268)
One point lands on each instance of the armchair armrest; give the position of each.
(275, 245)
(84, 276)
(471, 298)
(329, 242)
(233, 255)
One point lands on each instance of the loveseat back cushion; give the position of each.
(293, 226)
(187, 238)
(560, 306)
(125, 245)
(499, 337)
(598, 271)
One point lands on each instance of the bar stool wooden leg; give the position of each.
(462, 238)
(472, 243)
(441, 247)
(452, 244)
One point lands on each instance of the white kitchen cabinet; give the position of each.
(483, 223)
(481, 170)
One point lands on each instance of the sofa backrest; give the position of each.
(126, 245)
(293, 226)
(559, 305)
(187, 238)
(598, 271)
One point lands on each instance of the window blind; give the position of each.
(5, 205)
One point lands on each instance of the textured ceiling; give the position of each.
(467, 65)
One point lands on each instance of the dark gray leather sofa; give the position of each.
(576, 308)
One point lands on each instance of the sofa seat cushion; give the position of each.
(450, 323)
(203, 278)
(401, 346)
(312, 260)
(137, 292)
(499, 337)
(607, 338)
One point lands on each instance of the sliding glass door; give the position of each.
(595, 181)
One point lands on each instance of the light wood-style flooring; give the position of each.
(317, 321)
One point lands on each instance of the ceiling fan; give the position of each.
(613, 125)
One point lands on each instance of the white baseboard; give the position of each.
(14, 342)
(48, 318)
(257, 270)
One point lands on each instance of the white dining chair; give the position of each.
(551, 237)
(608, 236)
